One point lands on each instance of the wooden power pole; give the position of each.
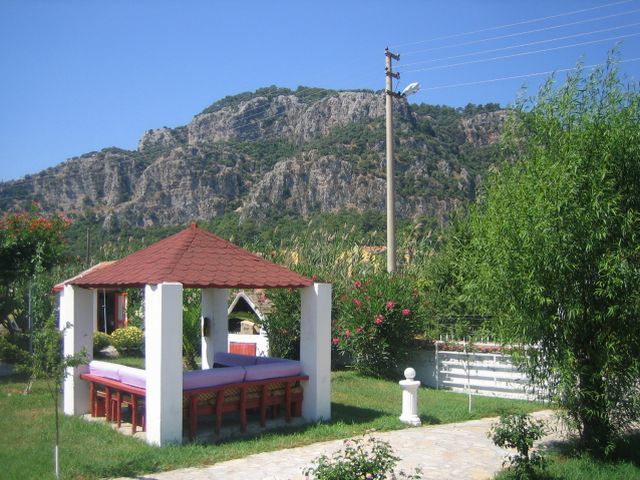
(391, 196)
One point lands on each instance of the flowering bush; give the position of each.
(366, 458)
(128, 340)
(100, 340)
(378, 319)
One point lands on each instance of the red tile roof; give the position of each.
(60, 286)
(197, 259)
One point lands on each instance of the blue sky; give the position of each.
(78, 76)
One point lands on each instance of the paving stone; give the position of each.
(452, 451)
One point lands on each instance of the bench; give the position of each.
(239, 384)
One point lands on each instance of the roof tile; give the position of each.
(195, 258)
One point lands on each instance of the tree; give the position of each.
(30, 244)
(555, 250)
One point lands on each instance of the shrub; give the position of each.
(191, 334)
(128, 340)
(377, 323)
(100, 340)
(519, 431)
(366, 458)
(283, 323)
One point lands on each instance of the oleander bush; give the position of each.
(378, 319)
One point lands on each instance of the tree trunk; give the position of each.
(596, 434)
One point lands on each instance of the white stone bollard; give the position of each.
(410, 398)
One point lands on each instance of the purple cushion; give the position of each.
(267, 360)
(133, 376)
(104, 369)
(212, 377)
(234, 359)
(272, 370)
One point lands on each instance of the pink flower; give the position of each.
(347, 333)
(357, 303)
(390, 304)
(357, 284)
(335, 340)
(379, 319)
(406, 312)
(359, 330)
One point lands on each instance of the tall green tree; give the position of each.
(555, 248)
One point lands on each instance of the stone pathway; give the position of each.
(452, 451)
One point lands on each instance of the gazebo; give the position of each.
(192, 258)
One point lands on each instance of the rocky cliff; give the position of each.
(270, 151)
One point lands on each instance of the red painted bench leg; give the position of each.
(287, 400)
(243, 409)
(219, 405)
(263, 404)
(193, 416)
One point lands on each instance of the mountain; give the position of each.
(260, 154)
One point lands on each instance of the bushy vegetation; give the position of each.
(366, 458)
(519, 432)
(101, 341)
(553, 254)
(376, 321)
(128, 340)
(31, 248)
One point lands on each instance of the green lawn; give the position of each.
(569, 465)
(92, 450)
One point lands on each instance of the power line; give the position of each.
(499, 27)
(518, 34)
(504, 57)
(522, 45)
(527, 75)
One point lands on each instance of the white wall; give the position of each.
(261, 341)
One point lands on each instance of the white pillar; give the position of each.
(163, 346)
(315, 351)
(77, 319)
(410, 398)
(214, 306)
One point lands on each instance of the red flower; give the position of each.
(357, 303)
(406, 312)
(379, 319)
(359, 330)
(335, 340)
(347, 333)
(358, 284)
(390, 304)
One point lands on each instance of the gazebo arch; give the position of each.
(192, 258)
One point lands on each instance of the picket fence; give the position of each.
(487, 374)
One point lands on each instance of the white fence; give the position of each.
(488, 374)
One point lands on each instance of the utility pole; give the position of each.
(391, 196)
(87, 259)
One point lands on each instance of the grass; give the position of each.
(567, 463)
(92, 450)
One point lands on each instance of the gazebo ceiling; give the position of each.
(195, 258)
